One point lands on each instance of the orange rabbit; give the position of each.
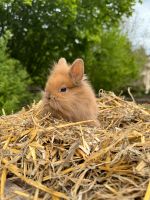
(68, 94)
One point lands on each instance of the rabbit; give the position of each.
(68, 94)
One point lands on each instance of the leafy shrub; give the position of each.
(111, 63)
(13, 80)
(45, 30)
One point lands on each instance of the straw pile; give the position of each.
(45, 158)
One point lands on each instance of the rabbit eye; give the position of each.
(63, 89)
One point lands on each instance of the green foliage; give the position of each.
(141, 57)
(45, 30)
(111, 64)
(27, 2)
(13, 80)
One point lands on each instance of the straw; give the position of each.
(47, 158)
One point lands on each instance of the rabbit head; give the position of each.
(68, 94)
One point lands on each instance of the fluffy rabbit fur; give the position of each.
(68, 94)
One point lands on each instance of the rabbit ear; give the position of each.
(62, 61)
(77, 71)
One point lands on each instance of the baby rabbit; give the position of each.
(68, 94)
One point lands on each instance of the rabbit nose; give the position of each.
(49, 96)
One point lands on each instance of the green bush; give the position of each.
(111, 63)
(13, 81)
(45, 30)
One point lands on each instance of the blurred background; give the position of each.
(113, 38)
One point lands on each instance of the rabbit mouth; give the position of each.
(55, 105)
(59, 106)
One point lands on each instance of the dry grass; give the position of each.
(53, 159)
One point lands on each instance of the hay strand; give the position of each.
(53, 159)
(147, 195)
